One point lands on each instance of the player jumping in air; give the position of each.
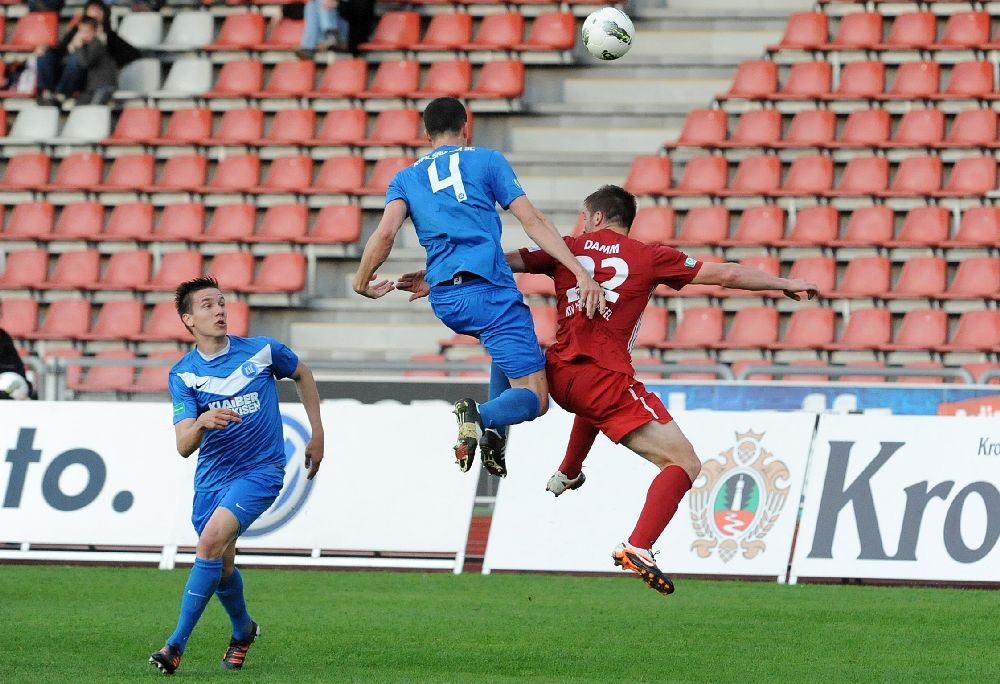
(226, 406)
(589, 368)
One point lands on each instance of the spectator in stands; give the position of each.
(101, 70)
(61, 74)
(360, 18)
(46, 5)
(323, 24)
(13, 378)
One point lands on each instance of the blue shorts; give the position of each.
(246, 498)
(497, 316)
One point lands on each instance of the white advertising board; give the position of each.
(902, 497)
(738, 519)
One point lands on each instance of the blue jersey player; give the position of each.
(225, 405)
(451, 196)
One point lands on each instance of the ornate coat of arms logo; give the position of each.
(738, 498)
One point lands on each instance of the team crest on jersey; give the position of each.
(690, 262)
(250, 369)
(738, 498)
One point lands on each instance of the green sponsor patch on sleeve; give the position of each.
(178, 409)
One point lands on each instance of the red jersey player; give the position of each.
(589, 368)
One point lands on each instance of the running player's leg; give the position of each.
(570, 474)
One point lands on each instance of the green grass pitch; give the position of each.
(99, 624)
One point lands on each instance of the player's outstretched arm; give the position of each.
(305, 384)
(377, 250)
(740, 277)
(190, 431)
(540, 229)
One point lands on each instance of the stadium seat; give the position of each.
(503, 78)
(652, 329)
(702, 128)
(976, 331)
(972, 128)
(284, 35)
(241, 31)
(704, 226)
(810, 128)
(337, 224)
(187, 126)
(88, 123)
(969, 80)
(920, 278)
(649, 175)
(78, 171)
(127, 270)
(188, 76)
(446, 31)
(108, 378)
(286, 223)
(342, 78)
(863, 176)
(238, 318)
(860, 80)
(821, 270)
(975, 278)
(24, 268)
(808, 175)
(154, 379)
(116, 320)
(865, 329)
(545, 320)
(63, 319)
(30, 221)
(979, 371)
(759, 225)
(37, 125)
(141, 77)
(807, 80)
(234, 173)
(74, 270)
(396, 127)
(233, 269)
(923, 227)
(864, 277)
(79, 221)
(757, 128)
(20, 315)
(33, 30)
(754, 326)
(550, 31)
(971, 176)
(698, 328)
(287, 174)
(911, 30)
(230, 223)
(342, 127)
(280, 272)
(865, 128)
(26, 171)
(857, 30)
(808, 328)
(239, 78)
(867, 226)
(189, 30)
(383, 172)
(500, 31)
(426, 372)
(186, 172)
(242, 125)
(446, 78)
(130, 172)
(915, 80)
(920, 330)
(394, 78)
(396, 30)
(291, 79)
(136, 125)
(918, 175)
(535, 285)
(703, 175)
(754, 80)
(291, 127)
(919, 128)
(979, 226)
(182, 221)
(163, 324)
(653, 225)
(804, 31)
(965, 30)
(174, 268)
(815, 225)
(65, 360)
(339, 175)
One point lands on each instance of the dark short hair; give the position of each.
(89, 21)
(97, 3)
(182, 296)
(444, 115)
(616, 203)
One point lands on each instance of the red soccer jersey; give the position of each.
(628, 270)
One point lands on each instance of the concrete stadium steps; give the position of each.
(381, 340)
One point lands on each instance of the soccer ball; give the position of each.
(13, 386)
(607, 33)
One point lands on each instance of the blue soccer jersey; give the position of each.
(242, 378)
(451, 195)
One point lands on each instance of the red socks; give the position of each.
(581, 439)
(665, 493)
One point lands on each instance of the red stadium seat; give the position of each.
(920, 277)
(915, 80)
(702, 128)
(230, 223)
(754, 326)
(912, 30)
(861, 80)
(810, 128)
(26, 171)
(923, 227)
(863, 176)
(127, 270)
(183, 172)
(976, 278)
(75, 270)
(754, 80)
(703, 175)
(240, 126)
(394, 78)
(857, 30)
(234, 173)
(287, 223)
(653, 225)
(239, 32)
(130, 172)
(239, 78)
(698, 328)
(704, 226)
(920, 175)
(821, 270)
(502, 79)
(342, 127)
(188, 126)
(500, 31)
(136, 125)
(79, 221)
(811, 328)
(816, 225)
(978, 226)
(652, 329)
(33, 30)
(280, 272)
(116, 320)
(66, 357)
(804, 31)
(285, 35)
(920, 330)
(756, 175)
(342, 78)
(809, 175)
(867, 226)
(396, 30)
(976, 331)
(807, 80)
(108, 378)
(446, 78)
(285, 174)
(446, 31)
(383, 172)
(972, 128)
(865, 329)
(340, 175)
(919, 128)
(545, 320)
(78, 171)
(63, 319)
(759, 225)
(864, 277)
(291, 127)
(25, 268)
(182, 221)
(979, 371)
(971, 176)
(174, 268)
(152, 379)
(20, 315)
(163, 325)
(291, 79)
(396, 127)
(648, 175)
(757, 128)
(965, 30)
(865, 128)
(234, 270)
(969, 79)
(550, 31)
(337, 224)
(30, 221)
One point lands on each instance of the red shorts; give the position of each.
(613, 402)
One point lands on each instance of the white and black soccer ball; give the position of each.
(608, 33)
(13, 386)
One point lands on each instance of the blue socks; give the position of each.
(514, 405)
(201, 584)
(499, 383)
(230, 593)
